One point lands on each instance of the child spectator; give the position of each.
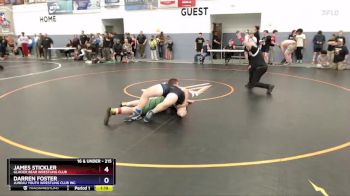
(322, 60)
(300, 39)
(153, 48)
(228, 55)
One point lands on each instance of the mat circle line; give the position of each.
(34, 73)
(185, 79)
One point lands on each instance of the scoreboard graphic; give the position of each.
(82, 174)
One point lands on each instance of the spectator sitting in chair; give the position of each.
(79, 54)
(118, 50)
(230, 46)
(204, 53)
(68, 52)
(127, 51)
(89, 52)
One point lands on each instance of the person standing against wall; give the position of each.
(24, 40)
(169, 48)
(301, 44)
(332, 42)
(199, 42)
(83, 38)
(46, 44)
(318, 42)
(216, 44)
(161, 42)
(341, 54)
(257, 35)
(35, 46)
(265, 43)
(153, 47)
(272, 47)
(340, 36)
(141, 41)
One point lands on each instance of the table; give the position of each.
(224, 51)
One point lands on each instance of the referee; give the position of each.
(257, 68)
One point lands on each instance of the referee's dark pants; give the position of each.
(255, 75)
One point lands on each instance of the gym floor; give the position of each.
(232, 142)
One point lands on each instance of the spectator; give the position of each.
(141, 41)
(272, 47)
(153, 48)
(204, 53)
(228, 55)
(341, 36)
(89, 52)
(106, 48)
(318, 42)
(169, 48)
(67, 53)
(133, 45)
(128, 36)
(3, 47)
(83, 38)
(36, 45)
(18, 47)
(161, 42)
(331, 45)
(257, 34)
(300, 39)
(24, 40)
(127, 51)
(10, 43)
(322, 60)
(75, 41)
(249, 37)
(199, 42)
(216, 43)
(30, 45)
(265, 45)
(45, 45)
(79, 54)
(118, 50)
(292, 35)
(341, 54)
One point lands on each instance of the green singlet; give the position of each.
(151, 104)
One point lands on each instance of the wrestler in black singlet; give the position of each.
(180, 94)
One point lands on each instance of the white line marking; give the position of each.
(35, 73)
(197, 85)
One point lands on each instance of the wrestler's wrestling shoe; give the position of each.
(107, 116)
(1, 68)
(148, 116)
(135, 116)
(269, 90)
